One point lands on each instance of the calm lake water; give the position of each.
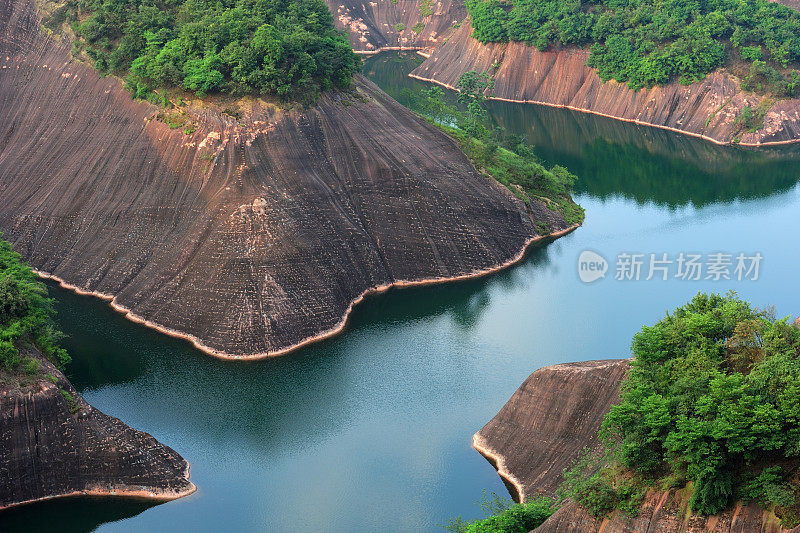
(371, 431)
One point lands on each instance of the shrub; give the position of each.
(26, 315)
(503, 516)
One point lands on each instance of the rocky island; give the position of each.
(249, 229)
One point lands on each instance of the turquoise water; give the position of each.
(371, 430)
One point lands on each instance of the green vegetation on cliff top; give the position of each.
(282, 48)
(711, 406)
(26, 316)
(650, 42)
(506, 158)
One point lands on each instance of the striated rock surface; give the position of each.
(561, 78)
(665, 512)
(547, 424)
(52, 447)
(396, 24)
(252, 234)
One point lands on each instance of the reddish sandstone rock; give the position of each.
(373, 25)
(561, 78)
(547, 424)
(52, 446)
(252, 234)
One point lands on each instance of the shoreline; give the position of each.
(499, 464)
(622, 119)
(417, 49)
(121, 493)
(335, 330)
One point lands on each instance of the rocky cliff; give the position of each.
(397, 24)
(247, 232)
(547, 424)
(548, 421)
(665, 512)
(561, 78)
(54, 444)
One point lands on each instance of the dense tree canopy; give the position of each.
(713, 398)
(649, 42)
(25, 315)
(284, 48)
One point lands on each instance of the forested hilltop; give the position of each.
(712, 405)
(650, 42)
(282, 48)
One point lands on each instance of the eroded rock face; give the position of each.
(561, 78)
(664, 512)
(375, 25)
(248, 236)
(547, 424)
(50, 449)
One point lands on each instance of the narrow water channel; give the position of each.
(371, 430)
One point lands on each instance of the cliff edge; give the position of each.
(397, 24)
(561, 78)
(546, 425)
(247, 232)
(53, 444)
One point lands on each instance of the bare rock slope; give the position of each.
(548, 421)
(546, 425)
(396, 24)
(52, 446)
(561, 78)
(251, 235)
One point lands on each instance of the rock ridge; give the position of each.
(53, 444)
(248, 235)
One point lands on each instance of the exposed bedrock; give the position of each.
(561, 78)
(54, 444)
(250, 235)
(547, 424)
(396, 24)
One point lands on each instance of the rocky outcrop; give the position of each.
(254, 233)
(397, 24)
(561, 78)
(547, 424)
(665, 512)
(53, 444)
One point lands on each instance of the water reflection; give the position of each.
(71, 515)
(614, 158)
(371, 430)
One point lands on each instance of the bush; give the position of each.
(505, 158)
(505, 517)
(25, 315)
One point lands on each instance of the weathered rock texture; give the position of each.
(389, 25)
(548, 421)
(561, 78)
(547, 424)
(47, 451)
(665, 512)
(248, 237)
